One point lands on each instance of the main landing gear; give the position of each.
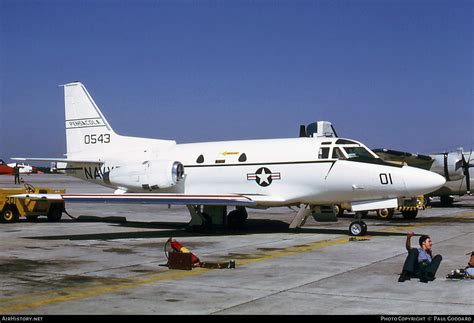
(358, 227)
(209, 217)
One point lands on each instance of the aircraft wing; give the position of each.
(415, 160)
(148, 198)
(60, 160)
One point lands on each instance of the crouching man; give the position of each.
(420, 263)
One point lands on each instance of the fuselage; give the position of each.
(274, 172)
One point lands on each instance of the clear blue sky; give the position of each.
(397, 74)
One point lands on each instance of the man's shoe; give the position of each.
(423, 279)
(403, 277)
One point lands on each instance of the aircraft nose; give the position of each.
(420, 181)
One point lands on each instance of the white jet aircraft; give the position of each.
(309, 172)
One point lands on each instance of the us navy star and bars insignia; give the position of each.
(263, 176)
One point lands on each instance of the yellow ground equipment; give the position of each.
(410, 207)
(12, 207)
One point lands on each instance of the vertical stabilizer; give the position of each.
(89, 135)
(87, 130)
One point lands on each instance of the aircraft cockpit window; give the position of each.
(326, 143)
(242, 158)
(200, 159)
(358, 152)
(337, 154)
(323, 153)
(346, 142)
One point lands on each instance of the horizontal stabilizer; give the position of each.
(60, 160)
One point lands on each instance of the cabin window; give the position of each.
(200, 159)
(323, 153)
(242, 158)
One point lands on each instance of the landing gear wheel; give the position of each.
(55, 213)
(236, 218)
(9, 214)
(358, 228)
(385, 214)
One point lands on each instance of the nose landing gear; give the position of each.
(358, 227)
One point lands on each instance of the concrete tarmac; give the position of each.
(102, 265)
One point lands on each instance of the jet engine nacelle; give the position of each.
(449, 165)
(149, 175)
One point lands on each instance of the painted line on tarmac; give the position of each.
(69, 294)
(31, 301)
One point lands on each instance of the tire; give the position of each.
(236, 219)
(357, 228)
(9, 214)
(410, 214)
(385, 214)
(55, 212)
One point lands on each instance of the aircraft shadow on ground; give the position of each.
(175, 229)
(400, 222)
(455, 205)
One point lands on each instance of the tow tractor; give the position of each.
(13, 206)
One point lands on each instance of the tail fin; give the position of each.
(88, 133)
(87, 130)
